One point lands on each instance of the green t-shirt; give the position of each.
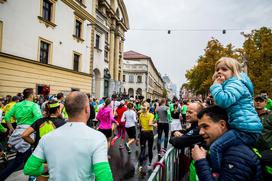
(184, 109)
(269, 105)
(25, 112)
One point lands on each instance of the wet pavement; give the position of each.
(124, 166)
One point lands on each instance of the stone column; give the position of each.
(111, 53)
(116, 57)
(91, 55)
(122, 58)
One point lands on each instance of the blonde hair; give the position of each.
(145, 107)
(232, 64)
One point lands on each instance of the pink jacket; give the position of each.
(105, 117)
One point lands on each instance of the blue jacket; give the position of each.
(236, 96)
(238, 163)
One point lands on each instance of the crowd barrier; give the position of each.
(169, 168)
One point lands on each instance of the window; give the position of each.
(139, 79)
(76, 62)
(124, 78)
(131, 79)
(81, 3)
(47, 10)
(97, 41)
(78, 29)
(1, 34)
(44, 52)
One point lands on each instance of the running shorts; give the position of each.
(106, 132)
(131, 131)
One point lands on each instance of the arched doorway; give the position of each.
(139, 93)
(96, 83)
(107, 77)
(130, 92)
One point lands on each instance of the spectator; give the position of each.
(264, 144)
(189, 136)
(233, 90)
(238, 161)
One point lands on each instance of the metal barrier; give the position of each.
(168, 168)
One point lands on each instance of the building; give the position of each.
(135, 78)
(109, 43)
(151, 79)
(55, 44)
(170, 87)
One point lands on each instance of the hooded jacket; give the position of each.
(236, 96)
(105, 117)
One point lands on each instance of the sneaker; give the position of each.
(140, 169)
(127, 147)
(113, 140)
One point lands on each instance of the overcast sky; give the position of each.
(177, 52)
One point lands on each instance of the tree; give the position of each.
(200, 76)
(164, 93)
(257, 49)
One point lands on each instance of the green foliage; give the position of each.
(164, 93)
(257, 49)
(200, 76)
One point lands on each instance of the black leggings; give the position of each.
(165, 128)
(149, 137)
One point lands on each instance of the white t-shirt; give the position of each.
(71, 151)
(130, 117)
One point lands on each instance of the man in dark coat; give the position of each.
(238, 162)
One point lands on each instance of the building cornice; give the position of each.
(41, 64)
(79, 10)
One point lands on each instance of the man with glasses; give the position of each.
(264, 144)
(265, 115)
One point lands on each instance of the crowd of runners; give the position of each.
(27, 118)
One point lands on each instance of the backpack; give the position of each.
(46, 127)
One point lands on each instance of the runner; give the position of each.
(129, 118)
(74, 151)
(146, 135)
(105, 118)
(44, 125)
(121, 108)
(26, 113)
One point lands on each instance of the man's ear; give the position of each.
(86, 108)
(223, 124)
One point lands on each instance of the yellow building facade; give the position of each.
(54, 46)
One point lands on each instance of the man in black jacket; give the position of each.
(238, 162)
(189, 136)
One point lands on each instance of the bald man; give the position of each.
(190, 135)
(73, 151)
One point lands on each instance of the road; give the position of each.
(124, 166)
